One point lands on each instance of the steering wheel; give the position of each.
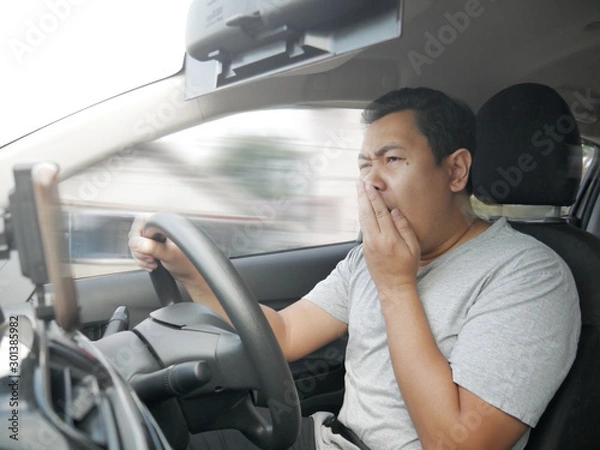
(258, 340)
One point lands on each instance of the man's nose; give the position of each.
(374, 178)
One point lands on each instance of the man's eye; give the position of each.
(393, 158)
(362, 167)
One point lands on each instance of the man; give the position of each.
(460, 332)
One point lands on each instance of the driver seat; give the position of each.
(529, 153)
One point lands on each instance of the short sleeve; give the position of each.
(520, 336)
(332, 294)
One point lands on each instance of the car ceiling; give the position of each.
(511, 41)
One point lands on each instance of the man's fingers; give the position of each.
(366, 215)
(139, 250)
(406, 232)
(374, 213)
(379, 208)
(364, 206)
(137, 226)
(146, 264)
(147, 246)
(146, 251)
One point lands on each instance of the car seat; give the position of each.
(529, 153)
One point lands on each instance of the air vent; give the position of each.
(77, 387)
(76, 401)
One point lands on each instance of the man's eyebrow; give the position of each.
(382, 151)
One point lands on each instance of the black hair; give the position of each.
(447, 123)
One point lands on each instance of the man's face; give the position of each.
(397, 160)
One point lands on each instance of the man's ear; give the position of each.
(459, 165)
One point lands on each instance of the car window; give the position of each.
(257, 182)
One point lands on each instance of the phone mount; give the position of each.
(6, 235)
(33, 226)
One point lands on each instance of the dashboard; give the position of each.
(59, 391)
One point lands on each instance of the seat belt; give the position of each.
(338, 427)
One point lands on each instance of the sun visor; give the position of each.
(230, 41)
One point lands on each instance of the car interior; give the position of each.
(527, 68)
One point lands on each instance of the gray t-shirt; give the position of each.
(504, 311)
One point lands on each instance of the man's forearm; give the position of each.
(422, 372)
(201, 293)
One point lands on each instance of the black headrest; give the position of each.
(528, 148)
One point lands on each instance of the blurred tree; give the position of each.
(267, 167)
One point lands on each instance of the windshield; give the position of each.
(60, 56)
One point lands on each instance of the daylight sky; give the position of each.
(58, 56)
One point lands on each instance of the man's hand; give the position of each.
(147, 251)
(390, 246)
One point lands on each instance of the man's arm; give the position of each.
(300, 329)
(442, 412)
